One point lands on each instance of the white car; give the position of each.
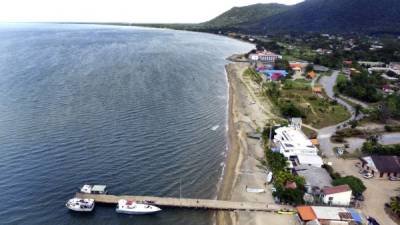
(394, 178)
(368, 175)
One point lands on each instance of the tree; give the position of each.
(356, 185)
(395, 205)
(309, 68)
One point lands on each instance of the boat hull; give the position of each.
(130, 212)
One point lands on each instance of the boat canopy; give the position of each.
(99, 188)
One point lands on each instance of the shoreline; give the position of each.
(246, 114)
(226, 186)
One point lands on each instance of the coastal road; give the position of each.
(324, 134)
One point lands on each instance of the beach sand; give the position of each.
(246, 114)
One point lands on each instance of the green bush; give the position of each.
(356, 185)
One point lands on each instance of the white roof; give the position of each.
(99, 188)
(310, 160)
(328, 213)
(370, 162)
(292, 138)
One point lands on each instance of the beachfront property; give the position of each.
(270, 74)
(298, 66)
(291, 142)
(316, 178)
(264, 56)
(382, 166)
(338, 195)
(317, 215)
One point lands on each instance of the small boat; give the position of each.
(134, 208)
(80, 205)
(286, 212)
(255, 190)
(94, 189)
(269, 177)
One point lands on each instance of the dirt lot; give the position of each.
(377, 194)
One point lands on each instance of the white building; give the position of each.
(338, 195)
(265, 56)
(310, 160)
(290, 141)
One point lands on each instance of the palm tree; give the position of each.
(395, 206)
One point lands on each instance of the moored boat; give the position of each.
(134, 208)
(80, 205)
(94, 189)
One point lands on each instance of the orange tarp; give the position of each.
(306, 213)
(315, 141)
(312, 74)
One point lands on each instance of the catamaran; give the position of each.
(134, 208)
(80, 205)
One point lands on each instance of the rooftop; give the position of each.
(314, 176)
(336, 189)
(310, 160)
(292, 138)
(387, 164)
(306, 213)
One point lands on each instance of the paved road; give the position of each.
(324, 134)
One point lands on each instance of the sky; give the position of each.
(136, 11)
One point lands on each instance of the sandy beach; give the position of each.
(246, 114)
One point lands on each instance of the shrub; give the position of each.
(356, 185)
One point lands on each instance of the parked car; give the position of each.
(359, 197)
(368, 175)
(394, 178)
(372, 221)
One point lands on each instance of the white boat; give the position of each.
(255, 190)
(80, 205)
(269, 177)
(131, 207)
(94, 189)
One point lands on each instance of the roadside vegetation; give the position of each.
(286, 194)
(356, 185)
(295, 98)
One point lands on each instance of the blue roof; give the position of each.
(356, 216)
(270, 72)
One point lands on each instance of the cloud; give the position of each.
(150, 11)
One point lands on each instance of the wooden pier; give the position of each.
(186, 202)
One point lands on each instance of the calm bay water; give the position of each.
(131, 108)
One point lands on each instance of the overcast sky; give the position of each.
(141, 11)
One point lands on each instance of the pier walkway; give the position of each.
(186, 202)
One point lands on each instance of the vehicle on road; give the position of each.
(368, 175)
(394, 178)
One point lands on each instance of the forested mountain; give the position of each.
(367, 16)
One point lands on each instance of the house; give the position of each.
(382, 165)
(395, 67)
(319, 68)
(318, 215)
(265, 56)
(338, 195)
(316, 178)
(317, 90)
(291, 141)
(371, 64)
(311, 160)
(311, 75)
(274, 74)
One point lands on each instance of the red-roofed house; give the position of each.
(338, 195)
